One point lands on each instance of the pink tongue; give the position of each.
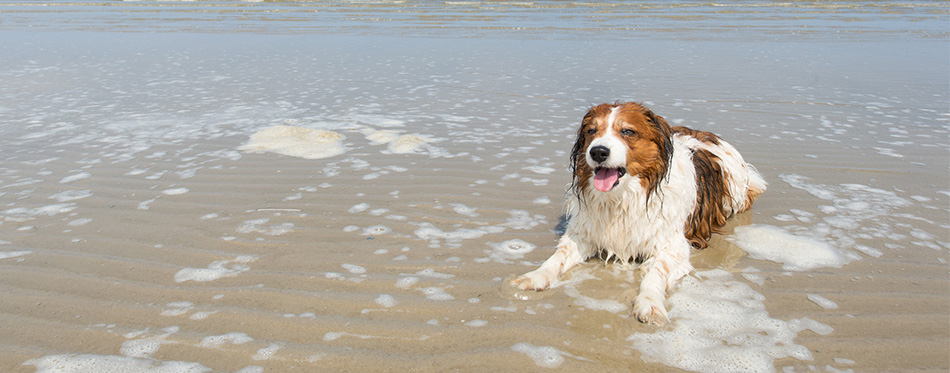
(605, 178)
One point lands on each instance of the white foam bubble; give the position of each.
(353, 268)
(201, 315)
(359, 207)
(721, 325)
(504, 252)
(406, 282)
(376, 230)
(386, 300)
(431, 273)
(144, 205)
(608, 305)
(869, 251)
(436, 293)
(429, 232)
(476, 323)
(542, 201)
(146, 347)
(13, 254)
(71, 195)
(798, 181)
(463, 210)
(379, 137)
(330, 336)
(406, 144)
(80, 221)
(216, 341)
(822, 301)
(110, 363)
(523, 220)
(177, 308)
(378, 212)
(266, 352)
(752, 275)
(175, 191)
(543, 356)
(765, 242)
(216, 270)
(48, 210)
(858, 212)
(298, 142)
(260, 226)
(75, 177)
(540, 169)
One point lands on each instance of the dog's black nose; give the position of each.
(599, 153)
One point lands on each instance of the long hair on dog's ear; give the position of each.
(577, 155)
(664, 145)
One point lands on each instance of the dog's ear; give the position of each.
(658, 121)
(577, 153)
(664, 143)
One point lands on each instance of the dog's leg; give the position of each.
(567, 255)
(660, 275)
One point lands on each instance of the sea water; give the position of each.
(266, 186)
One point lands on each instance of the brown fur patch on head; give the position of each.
(649, 145)
(650, 149)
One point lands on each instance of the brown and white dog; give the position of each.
(645, 191)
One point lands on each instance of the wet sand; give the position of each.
(139, 231)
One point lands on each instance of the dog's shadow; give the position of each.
(561, 226)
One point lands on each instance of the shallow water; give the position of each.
(649, 20)
(142, 227)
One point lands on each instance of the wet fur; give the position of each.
(680, 185)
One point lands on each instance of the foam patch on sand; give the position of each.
(397, 142)
(544, 356)
(765, 242)
(721, 325)
(298, 142)
(851, 212)
(136, 357)
(216, 270)
(504, 252)
(13, 254)
(261, 226)
(822, 302)
(101, 363)
(407, 144)
(608, 305)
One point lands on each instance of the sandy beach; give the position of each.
(255, 187)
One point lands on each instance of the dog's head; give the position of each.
(620, 143)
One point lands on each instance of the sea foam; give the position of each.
(298, 142)
(765, 242)
(216, 270)
(721, 325)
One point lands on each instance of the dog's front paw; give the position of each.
(649, 309)
(535, 280)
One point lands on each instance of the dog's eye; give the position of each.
(591, 131)
(627, 132)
